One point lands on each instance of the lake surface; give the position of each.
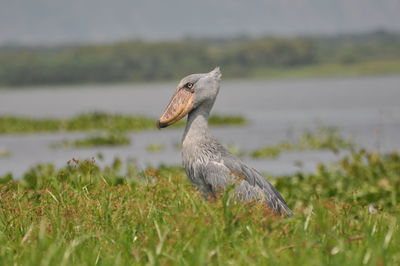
(364, 108)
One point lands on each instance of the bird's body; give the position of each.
(209, 166)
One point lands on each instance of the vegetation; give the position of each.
(377, 52)
(327, 138)
(347, 214)
(109, 139)
(95, 121)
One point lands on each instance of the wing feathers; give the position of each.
(249, 184)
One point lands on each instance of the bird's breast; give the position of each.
(195, 157)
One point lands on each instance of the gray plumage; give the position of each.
(209, 166)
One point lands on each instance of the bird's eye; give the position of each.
(189, 86)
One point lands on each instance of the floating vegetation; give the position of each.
(219, 120)
(110, 139)
(95, 121)
(155, 147)
(83, 214)
(82, 122)
(226, 120)
(4, 153)
(328, 138)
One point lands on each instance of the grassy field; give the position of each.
(346, 214)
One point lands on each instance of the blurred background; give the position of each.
(304, 81)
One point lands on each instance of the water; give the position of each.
(364, 108)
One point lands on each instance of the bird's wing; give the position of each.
(250, 184)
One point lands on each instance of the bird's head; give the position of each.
(192, 92)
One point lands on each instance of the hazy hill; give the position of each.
(359, 54)
(55, 21)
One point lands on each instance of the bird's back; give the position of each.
(212, 168)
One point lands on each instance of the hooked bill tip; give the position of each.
(161, 125)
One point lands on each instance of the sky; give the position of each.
(82, 21)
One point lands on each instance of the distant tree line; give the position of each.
(148, 61)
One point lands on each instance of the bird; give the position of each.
(209, 165)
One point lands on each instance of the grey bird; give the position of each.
(209, 166)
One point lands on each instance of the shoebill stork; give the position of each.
(209, 166)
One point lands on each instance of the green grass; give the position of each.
(373, 67)
(109, 139)
(328, 138)
(96, 121)
(346, 214)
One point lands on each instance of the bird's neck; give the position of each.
(197, 125)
